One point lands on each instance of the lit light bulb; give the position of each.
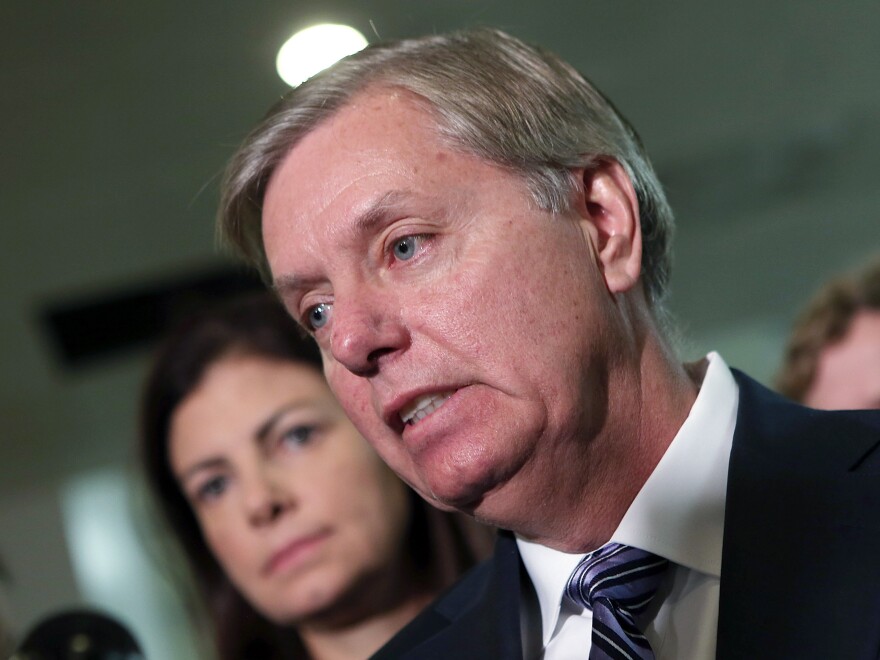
(314, 49)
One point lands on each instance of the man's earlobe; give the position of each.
(611, 214)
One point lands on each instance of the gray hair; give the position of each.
(492, 96)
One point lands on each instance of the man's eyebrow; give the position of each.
(377, 211)
(363, 223)
(287, 283)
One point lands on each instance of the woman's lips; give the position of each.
(294, 552)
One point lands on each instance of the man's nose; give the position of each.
(366, 329)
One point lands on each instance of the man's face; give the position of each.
(463, 329)
(848, 372)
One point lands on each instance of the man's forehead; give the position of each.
(378, 158)
(370, 155)
(377, 108)
(374, 124)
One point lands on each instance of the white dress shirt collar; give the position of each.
(678, 513)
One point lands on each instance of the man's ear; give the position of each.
(609, 213)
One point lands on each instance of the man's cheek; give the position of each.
(345, 388)
(357, 403)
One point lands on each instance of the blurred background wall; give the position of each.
(763, 120)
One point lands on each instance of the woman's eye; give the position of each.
(405, 248)
(318, 316)
(211, 489)
(297, 436)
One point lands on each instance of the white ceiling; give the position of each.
(763, 119)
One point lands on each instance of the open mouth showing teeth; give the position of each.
(422, 407)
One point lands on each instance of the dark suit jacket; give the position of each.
(800, 562)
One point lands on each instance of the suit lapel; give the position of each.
(800, 564)
(477, 619)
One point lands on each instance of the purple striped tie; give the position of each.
(617, 582)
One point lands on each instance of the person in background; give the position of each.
(478, 242)
(832, 360)
(302, 543)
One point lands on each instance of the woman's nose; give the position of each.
(266, 501)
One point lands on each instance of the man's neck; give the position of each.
(595, 483)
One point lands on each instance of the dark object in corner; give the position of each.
(83, 330)
(79, 635)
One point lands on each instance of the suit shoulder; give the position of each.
(452, 604)
(804, 439)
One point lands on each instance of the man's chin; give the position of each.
(465, 498)
(476, 490)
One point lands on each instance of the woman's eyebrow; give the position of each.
(207, 464)
(270, 422)
(265, 427)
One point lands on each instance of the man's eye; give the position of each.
(318, 316)
(405, 248)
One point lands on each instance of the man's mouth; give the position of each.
(423, 406)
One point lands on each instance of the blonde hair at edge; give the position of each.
(824, 321)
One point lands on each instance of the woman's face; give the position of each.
(298, 509)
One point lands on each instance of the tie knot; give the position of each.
(626, 576)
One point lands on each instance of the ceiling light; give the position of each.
(314, 49)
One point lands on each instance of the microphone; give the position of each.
(79, 634)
